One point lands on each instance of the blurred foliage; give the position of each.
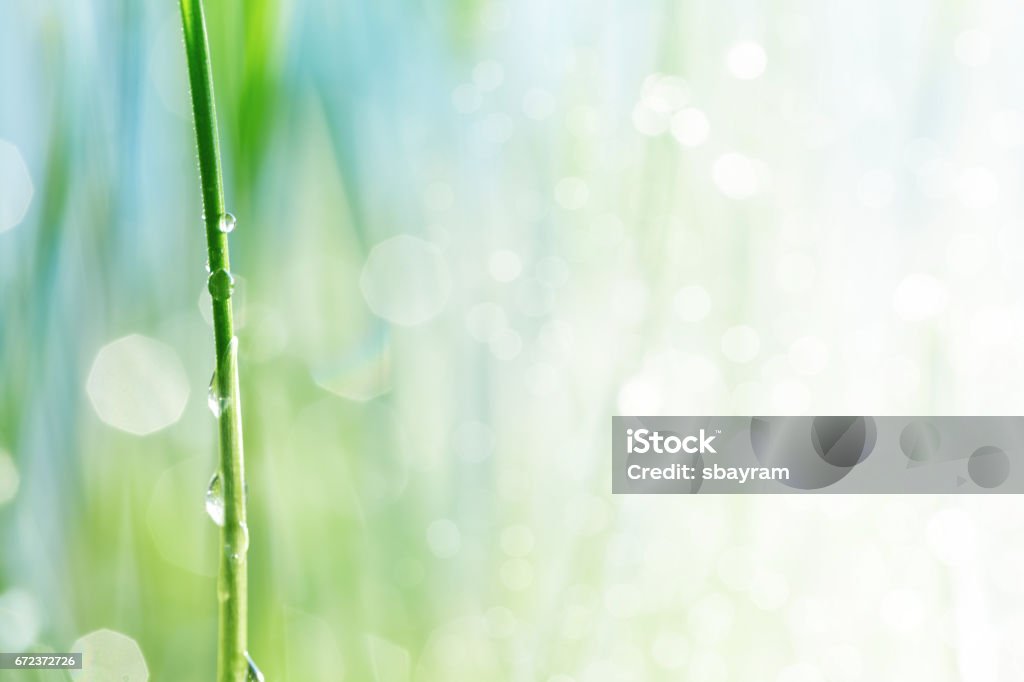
(430, 502)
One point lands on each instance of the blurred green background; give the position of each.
(468, 233)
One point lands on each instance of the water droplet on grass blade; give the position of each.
(254, 674)
(212, 396)
(227, 223)
(214, 400)
(237, 547)
(221, 284)
(215, 500)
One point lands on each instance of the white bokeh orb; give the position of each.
(138, 385)
(405, 280)
(977, 187)
(736, 176)
(9, 478)
(690, 127)
(444, 538)
(109, 656)
(746, 60)
(20, 620)
(16, 188)
(919, 297)
(505, 265)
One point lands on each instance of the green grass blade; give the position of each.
(232, 587)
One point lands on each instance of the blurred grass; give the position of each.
(344, 131)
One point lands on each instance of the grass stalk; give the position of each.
(232, 665)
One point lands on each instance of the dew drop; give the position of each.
(254, 674)
(239, 545)
(227, 223)
(230, 355)
(215, 500)
(214, 400)
(220, 284)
